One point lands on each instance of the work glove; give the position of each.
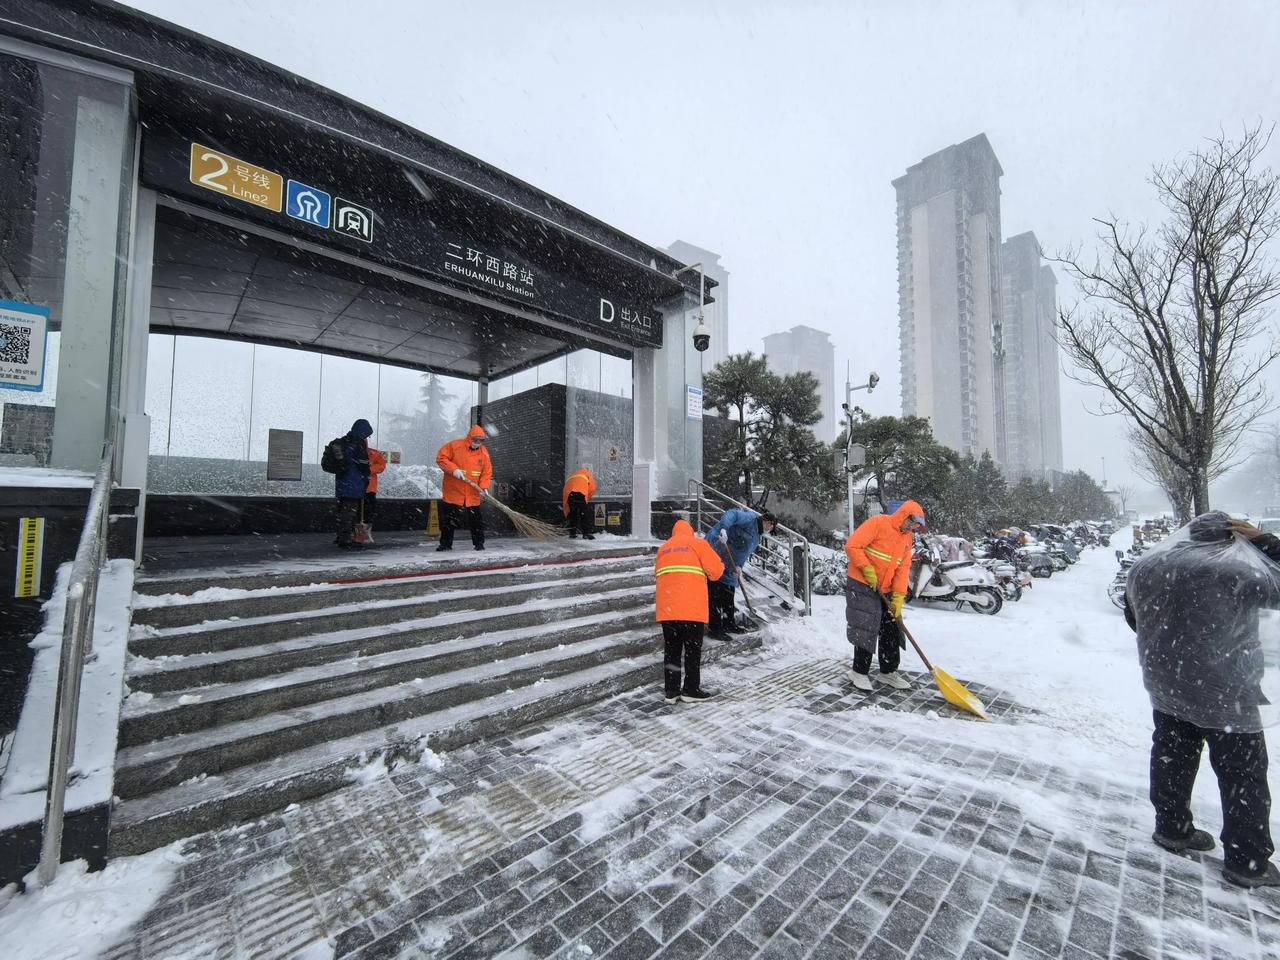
(459, 475)
(723, 536)
(895, 605)
(869, 575)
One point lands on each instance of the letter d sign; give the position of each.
(606, 311)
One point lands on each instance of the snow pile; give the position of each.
(102, 686)
(80, 914)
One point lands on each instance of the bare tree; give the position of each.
(1125, 493)
(1155, 466)
(1176, 314)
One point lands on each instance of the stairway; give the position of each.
(248, 694)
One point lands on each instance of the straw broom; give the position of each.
(525, 526)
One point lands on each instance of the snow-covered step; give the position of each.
(152, 717)
(369, 567)
(176, 608)
(227, 634)
(143, 767)
(170, 673)
(246, 792)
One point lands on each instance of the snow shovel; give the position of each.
(952, 690)
(363, 531)
(742, 583)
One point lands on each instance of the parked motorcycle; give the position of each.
(1116, 589)
(958, 582)
(1009, 578)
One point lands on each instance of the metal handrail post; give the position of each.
(700, 489)
(77, 639)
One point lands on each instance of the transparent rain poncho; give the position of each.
(1206, 602)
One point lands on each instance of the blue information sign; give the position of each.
(307, 203)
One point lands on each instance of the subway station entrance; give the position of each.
(209, 268)
(261, 261)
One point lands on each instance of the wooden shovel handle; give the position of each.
(902, 625)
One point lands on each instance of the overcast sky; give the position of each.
(770, 132)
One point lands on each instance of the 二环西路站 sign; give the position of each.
(24, 336)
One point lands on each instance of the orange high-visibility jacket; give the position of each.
(581, 482)
(458, 455)
(683, 566)
(377, 463)
(881, 544)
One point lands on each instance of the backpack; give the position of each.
(332, 458)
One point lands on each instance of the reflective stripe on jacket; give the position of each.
(581, 482)
(682, 568)
(881, 543)
(458, 455)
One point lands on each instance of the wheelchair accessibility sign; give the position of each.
(304, 202)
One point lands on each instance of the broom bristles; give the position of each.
(526, 526)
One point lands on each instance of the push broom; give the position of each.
(525, 526)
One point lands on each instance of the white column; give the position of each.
(82, 418)
(135, 444)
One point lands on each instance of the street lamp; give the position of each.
(855, 454)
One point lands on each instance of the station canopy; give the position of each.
(289, 214)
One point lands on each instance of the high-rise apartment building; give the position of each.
(949, 295)
(804, 348)
(1032, 443)
(716, 315)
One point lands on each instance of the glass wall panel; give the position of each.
(56, 125)
(213, 404)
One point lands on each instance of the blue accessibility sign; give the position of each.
(307, 203)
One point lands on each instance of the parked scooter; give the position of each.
(1009, 578)
(1116, 589)
(958, 582)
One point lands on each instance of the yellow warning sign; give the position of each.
(433, 519)
(223, 173)
(600, 513)
(615, 519)
(30, 553)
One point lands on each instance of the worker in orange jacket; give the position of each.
(578, 491)
(683, 567)
(467, 471)
(879, 554)
(377, 464)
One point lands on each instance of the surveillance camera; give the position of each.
(872, 381)
(701, 337)
(844, 407)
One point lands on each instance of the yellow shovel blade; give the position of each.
(955, 693)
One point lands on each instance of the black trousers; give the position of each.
(888, 647)
(347, 513)
(1239, 761)
(370, 506)
(681, 639)
(453, 516)
(721, 609)
(580, 521)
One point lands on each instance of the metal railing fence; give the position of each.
(77, 650)
(780, 566)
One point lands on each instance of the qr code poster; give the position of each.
(24, 334)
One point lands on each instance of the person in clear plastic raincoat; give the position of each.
(1199, 603)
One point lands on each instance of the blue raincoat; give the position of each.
(743, 528)
(353, 476)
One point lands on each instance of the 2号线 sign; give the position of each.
(232, 177)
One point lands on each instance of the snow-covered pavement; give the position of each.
(790, 817)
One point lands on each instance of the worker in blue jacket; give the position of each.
(737, 534)
(350, 481)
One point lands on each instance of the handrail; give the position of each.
(786, 563)
(77, 649)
